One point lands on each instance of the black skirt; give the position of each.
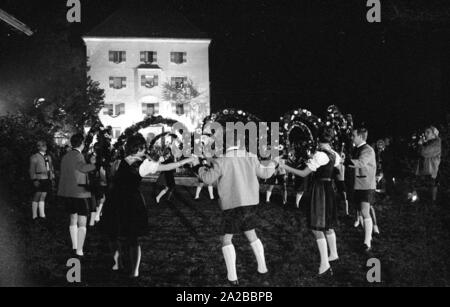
(125, 215)
(322, 214)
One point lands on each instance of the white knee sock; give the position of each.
(34, 209)
(92, 219)
(323, 250)
(74, 236)
(197, 192)
(138, 262)
(258, 250)
(298, 198)
(229, 254)
(81, 237)
(163, 192)
(42, 209)
(211, 192)
(268, 194)
(331, 240)
(99, 212)
(368, 228)
(116, 266)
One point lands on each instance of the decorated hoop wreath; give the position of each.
(298, 135)
(231, 115)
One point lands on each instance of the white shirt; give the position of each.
(362, 145)
(320, 159)
(148, 167)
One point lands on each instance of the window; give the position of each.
(149, 81)
(179, 109)
(150, 109)
(149, 57)
(117, 82)
(120, 109)
(108, 109)
(178, 82)
(114, 109)
(117, 56)
(178, 57)
(116, 133)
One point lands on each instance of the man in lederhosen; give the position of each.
(364, 163)
(72, 189)
(41, 174)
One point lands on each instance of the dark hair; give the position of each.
(135, 144)
(362, 132)
(76, 140)
(326, 135)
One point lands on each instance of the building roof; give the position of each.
(146, 23)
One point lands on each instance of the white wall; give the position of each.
(196, 69)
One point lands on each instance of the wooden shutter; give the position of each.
(111, 56)
(124, 82)
(156, 108)
(172, 57)
(143, 80)
(111, 82)
(155, 80)
(155, 57)
(124, 56)
(184, 57)
(144, 108)
(142, 56)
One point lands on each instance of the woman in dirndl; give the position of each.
(322, 217)
(125, 214)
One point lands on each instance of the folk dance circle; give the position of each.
(329, 160)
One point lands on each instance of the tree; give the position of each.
(187, 94)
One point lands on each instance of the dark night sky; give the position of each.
(269, 57)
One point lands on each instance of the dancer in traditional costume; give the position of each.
(72, 189)
(125, 212)
(42, 174)
(365, 166)
(236, 174)
(322, 216)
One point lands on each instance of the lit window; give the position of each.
(120, 109)
(150, 109)
(108, 109)
(179, 110)
(116, 133)
(178, 82)
(117, 56)
(149, 57)
(178, 57)
(149, 81)
(117, 82)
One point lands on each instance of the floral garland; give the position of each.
(231, 115)
(342, 126)
(102, 148)
(133, 130)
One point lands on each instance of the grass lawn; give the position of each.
(183, 247)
